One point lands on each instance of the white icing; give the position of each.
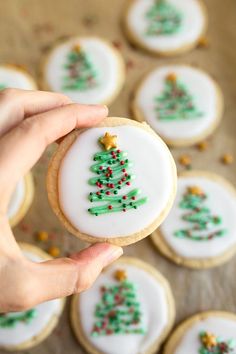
(193, 22)
(221, 327)
(154, 308)
(14, 78)
(200, 86)
(23, 332)
(221, 201)
(152, 167)
(107, 64)
(17, 199)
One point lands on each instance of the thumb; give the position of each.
(66, 276)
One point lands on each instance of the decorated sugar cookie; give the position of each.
(181, 103)
(165, 27)
(21, 199)
(23, 330)
(112, 183)
(87, 69)
(129, 310)
(200, 230)
(13, 76)
(205, 333)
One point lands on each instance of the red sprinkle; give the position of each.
(98, 193)
(100, 168)
(128, 183)
(124, 210)
(122, 162)
(133, 198)
(112, 185)
(114, 156)
(126, 174)
(120, 182)
(124, 170)
(108, 193)
(124, 197)
(110, 207)
(118, 151)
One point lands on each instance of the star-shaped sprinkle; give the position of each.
(120, 275)
(172, 77)
(108, 141)
(77, 48)
(195, 190)
(209, 340)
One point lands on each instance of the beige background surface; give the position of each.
(27, 29)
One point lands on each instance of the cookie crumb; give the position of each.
(42, 236)
(202, 146)
(54, 251)
(117, 44)
(227, 159)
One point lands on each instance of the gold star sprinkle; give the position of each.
(120, 275)
(172, 77)
(109, 141)
(227, 159)
(76, 48)
(195, 190)
(209, 340)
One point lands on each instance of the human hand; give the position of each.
(29, 122)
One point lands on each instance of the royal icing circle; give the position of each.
(17, 199)
(120, 191)
(87, 69)
(12, 77)
(165, 26)
(19, 328)
(181, 103)
(210, 334)
(117, 314)
(201, 224)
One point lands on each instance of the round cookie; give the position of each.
(165, 27)
(181, 103)
(87, 69)
(21, 199)
(204, 333)
(130, 309)
(200, 230)
(14, 76)
(112, 183)
(24, 330)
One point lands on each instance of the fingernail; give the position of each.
(114, 253)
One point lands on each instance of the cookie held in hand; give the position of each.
(112, 183)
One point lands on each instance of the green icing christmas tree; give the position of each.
(11, 319)
(163, 19)
(175, 102)
(118, 312)
(215, 345)
(81, 74)
(203, 225)
(112, 169)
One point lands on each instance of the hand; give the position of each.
(29, 121)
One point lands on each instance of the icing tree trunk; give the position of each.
(203, 225)
(112, 169)
(80, 72)
(163, 19)
(118, 312)
(175, 102)
(215, 345)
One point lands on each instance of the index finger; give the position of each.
(22, 146)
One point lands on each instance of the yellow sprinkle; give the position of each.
(195, 190)
(185, 160)
(109, 141)
(54, 251)
(203, 42)
(42, 236)
(172, 77)
(202, 146)
(227, 159)
(120, 275)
